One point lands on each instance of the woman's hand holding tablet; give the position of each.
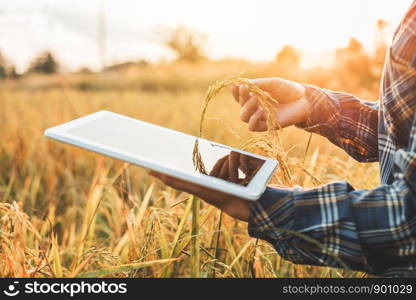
(233, 175)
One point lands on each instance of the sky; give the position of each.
(253, 30)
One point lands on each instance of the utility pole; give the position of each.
(102, 45)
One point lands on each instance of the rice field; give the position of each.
(66, 212)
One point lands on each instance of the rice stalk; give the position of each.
(239, 255)
(126, 268)
(217, 243)
(252, 260)
(176, 249)
(195, 241)
(272, 146)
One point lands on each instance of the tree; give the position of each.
(45, 63)
(354, 66)
(3, 73)
(288, 57)
(380, 44)
(13, 73)
(187, 45)
(3, 67)
(7, 70)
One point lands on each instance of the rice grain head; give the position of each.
(268, 144)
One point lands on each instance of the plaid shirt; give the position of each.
(368, 230)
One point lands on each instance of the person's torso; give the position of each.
(397, 95)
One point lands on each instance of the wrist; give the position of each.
(237, 208)
(305, 108)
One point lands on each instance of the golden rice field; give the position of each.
(65, 212)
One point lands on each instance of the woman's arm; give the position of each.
(348, 122)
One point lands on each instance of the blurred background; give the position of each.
(67, 212)
(104, 35)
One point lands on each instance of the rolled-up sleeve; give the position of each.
(348, 122)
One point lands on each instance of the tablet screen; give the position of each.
(167, 148)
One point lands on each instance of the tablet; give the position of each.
(167, 151)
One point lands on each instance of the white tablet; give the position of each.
(167, 151)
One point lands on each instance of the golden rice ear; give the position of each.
(269, 145)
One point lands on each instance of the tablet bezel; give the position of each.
(252, 191)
